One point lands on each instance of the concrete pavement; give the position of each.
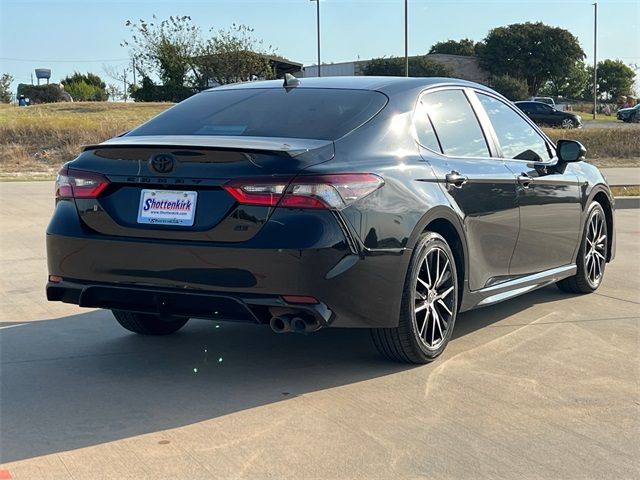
(544, 386)
(622, 176)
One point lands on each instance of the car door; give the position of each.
(548, 195)
(478, 185)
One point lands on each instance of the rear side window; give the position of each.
(424, 129)
(517, 138)
(313, 113)
(455, 124)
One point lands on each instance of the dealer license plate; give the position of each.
(167, 207)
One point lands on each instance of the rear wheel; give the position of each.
(592, 256)
(147, 324)
(429, 305)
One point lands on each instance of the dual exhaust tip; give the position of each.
(294, 323)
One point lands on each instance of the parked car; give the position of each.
(543, 114)
(368, 202)
(547, 100)
(629, 115)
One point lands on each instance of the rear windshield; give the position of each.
(313, 113)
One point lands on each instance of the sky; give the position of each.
(85, 35)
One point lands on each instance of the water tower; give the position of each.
(43, 73)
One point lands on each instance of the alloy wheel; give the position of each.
(595, 249)
(434, 297)
(567, 123)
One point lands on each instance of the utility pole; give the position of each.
(318, 30)
(595, 58)
(406, 38)
(124, 84)
(133, 65)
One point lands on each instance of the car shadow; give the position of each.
(82, 380)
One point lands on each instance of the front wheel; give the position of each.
(592, 256)
(568, 123)
(147, 324)
(429, 305)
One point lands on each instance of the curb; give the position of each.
(623, 203)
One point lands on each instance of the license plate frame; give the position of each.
(173, 208)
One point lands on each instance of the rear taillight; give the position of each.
(335, 191)
(72, 183)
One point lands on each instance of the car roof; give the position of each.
(528, 102)
(382, 84)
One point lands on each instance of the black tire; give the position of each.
(582, 281)
(147, 324)
(404, 343)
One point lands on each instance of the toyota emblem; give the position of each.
(162, 162)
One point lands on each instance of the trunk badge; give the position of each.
(162, 162)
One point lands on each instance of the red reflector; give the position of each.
(55, 278)
(298, 201)
(299, 299)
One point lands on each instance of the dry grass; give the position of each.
(630, 191)
(617, 146)
(36, 140)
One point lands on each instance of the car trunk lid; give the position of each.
(186, 174)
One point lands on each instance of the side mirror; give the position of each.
(570, 151)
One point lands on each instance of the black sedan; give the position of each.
(386, 203)
(629, 115)
(544, 114)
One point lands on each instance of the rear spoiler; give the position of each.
(291, 146)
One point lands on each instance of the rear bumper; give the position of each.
(196, 279)
(182, 303)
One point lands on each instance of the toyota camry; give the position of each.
(385, 203)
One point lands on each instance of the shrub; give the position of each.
(49, 93)
(87, 87)
(512, 88)
(149, 92)
(84, 92)
(418, 67)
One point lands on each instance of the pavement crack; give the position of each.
(616, 298)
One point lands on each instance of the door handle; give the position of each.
(454, 178)
(524, 180)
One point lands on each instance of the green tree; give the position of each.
(5, 87)
(570, 84)
(614, 78)
(513, 88)
(465, 46)
(164, 48)
(418, 67)
(534, 52)
(232, 55)
(87, 87)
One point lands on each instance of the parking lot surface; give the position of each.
(544, 386)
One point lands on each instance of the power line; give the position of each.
(63, 61)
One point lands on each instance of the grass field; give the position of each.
(600, 117)
(36, 140)
(617, 146)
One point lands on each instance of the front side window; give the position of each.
(516, 137)
(455, 124)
